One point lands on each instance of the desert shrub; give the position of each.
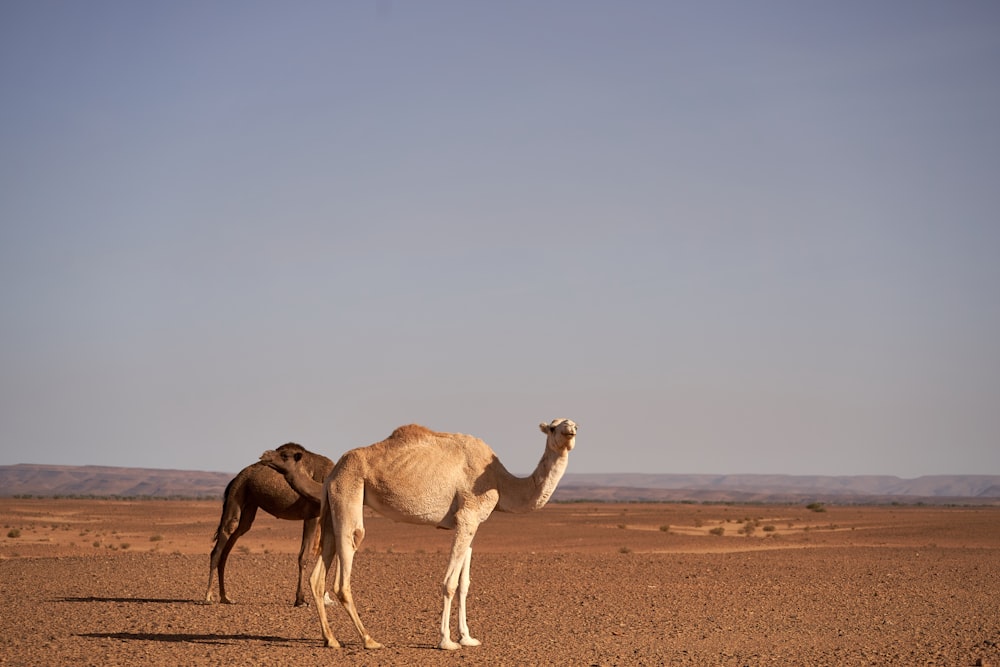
(816, 507)
(97, 543)
(155, 538)
(748, 528)
(243, 549)
(769, 528)
(14, 532)
(698, 523)
(625, 550)
(665, 528)
(124, 546)
(718, 530)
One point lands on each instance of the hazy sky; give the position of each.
(723, 237)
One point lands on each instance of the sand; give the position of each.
(114, 582)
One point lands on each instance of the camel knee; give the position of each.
(227, 527)
(344, 596)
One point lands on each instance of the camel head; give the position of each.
(283, 458)
(561, 435)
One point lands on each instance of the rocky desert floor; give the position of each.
(116, 582)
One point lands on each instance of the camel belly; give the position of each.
(412, 510)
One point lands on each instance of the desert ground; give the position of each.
(119, 582)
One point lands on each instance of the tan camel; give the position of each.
(448, 480)
(259, 486)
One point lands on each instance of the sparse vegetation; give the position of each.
(769, 528)
(155, 538)
(816, 507)
(14, 532)
(718, 530)
(624, 550)
(665, 528)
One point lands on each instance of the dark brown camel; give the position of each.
(288, 460)
(260, 486)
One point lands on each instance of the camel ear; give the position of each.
(546, 428)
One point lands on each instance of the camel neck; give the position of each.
(303, 484)
(524, 494)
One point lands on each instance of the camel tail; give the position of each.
(226, 502)
(325, 524)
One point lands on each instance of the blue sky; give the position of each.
(723, 237)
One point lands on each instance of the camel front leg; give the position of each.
(465, 638)
(310, 529)
(457, 573)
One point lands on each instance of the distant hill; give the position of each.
(779, 488)
(50, 480)
(854, 489)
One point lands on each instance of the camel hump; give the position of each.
(411, 432)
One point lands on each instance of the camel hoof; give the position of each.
(331, 643)
(469, 641)
(301, 603)
(372, 644)
(448, 645)
(327, 600)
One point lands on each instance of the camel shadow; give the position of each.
(220, 639)
(137, 600)
(189, 638)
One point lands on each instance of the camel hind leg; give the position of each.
(233, 510)
(231, 506)
(318, 579)
(350, 531)
(225, 544)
